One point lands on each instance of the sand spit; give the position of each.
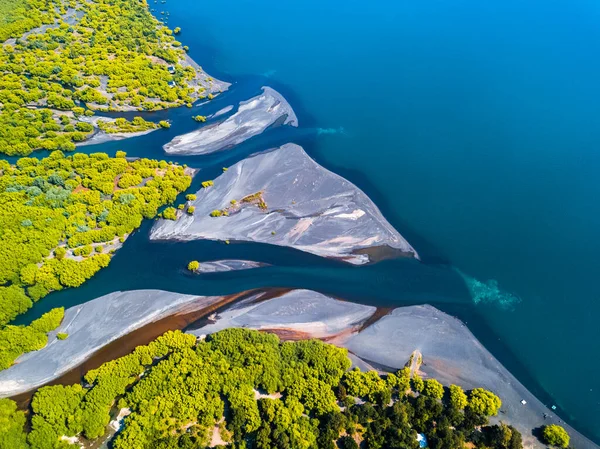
(303, 311)
(100, 136)
(252, 118)
(283, 197)
(92, 326)
(203, 79)
(218, 266)
(220, 112)
(375, 340)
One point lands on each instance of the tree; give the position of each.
(164, 124)
(191, 210)
(484, 402)
(347, 442)
(12, 423)
(556, 435)
(417, 383)
(170, 213)
(457, 397)
(503, 436)
(433, 389)
(193, 265)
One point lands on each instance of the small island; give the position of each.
(283, 197)
(221, 266)
(252, 117)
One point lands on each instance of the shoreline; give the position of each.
(180, 317)
(380, 339)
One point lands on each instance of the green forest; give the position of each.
(247, 389)
(60, 55)
(61, 219)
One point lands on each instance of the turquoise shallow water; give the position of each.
(473, 126)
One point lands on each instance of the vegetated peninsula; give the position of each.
(63, 59)
(283, 197)
(61, 221)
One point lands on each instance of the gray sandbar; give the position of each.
(218, 266)
(304, 311)
(92, 326)
(306, 207)
(252, 118)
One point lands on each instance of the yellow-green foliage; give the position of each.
(190, 386)
(200, 118)
(53, 209)
(16, 340)
(12, 422)
(170, 213)
(121, 125)
(253, 388)
(115, 57)
(19, 16)
(207, 184)
(191, 210)
(164, 124)
(556, 435)
(193, 265)
(62, 335)
(484, 402)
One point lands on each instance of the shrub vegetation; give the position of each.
(56, 210)
(109, 55)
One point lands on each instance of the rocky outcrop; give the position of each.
(90, 327)
(283, 197)
(218, 266)
(252, 118)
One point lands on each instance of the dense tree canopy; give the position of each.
(251, 391)
(57, 215)
(105, 54)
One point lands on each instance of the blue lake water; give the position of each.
(475, 128)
